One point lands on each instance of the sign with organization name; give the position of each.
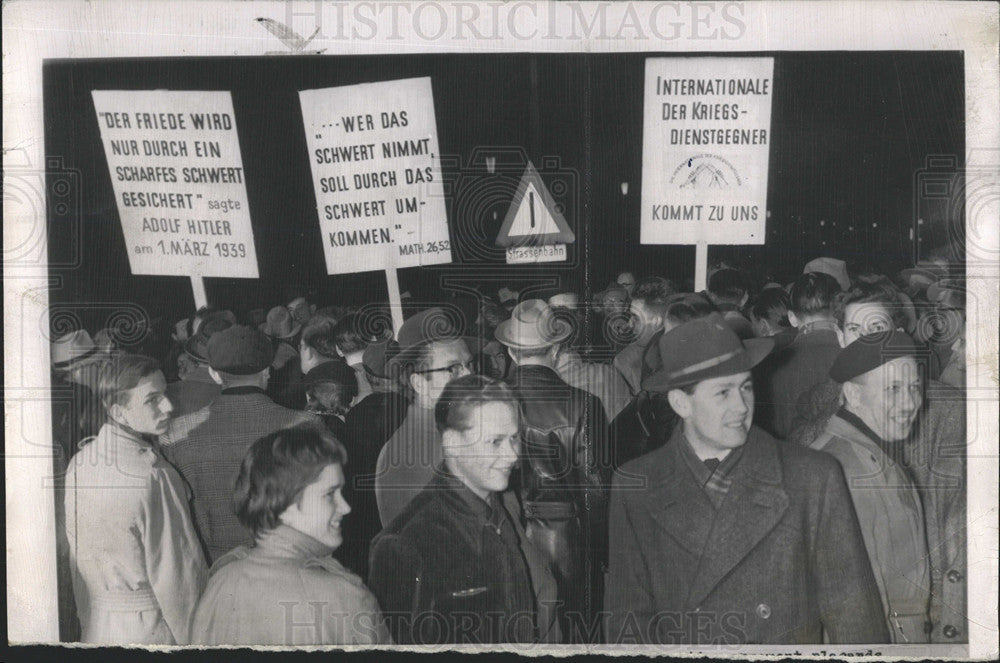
(706, 138)
(374, 155)
(178, 178)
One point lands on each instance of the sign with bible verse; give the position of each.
(374, 154)
(178, 177)
(706, 138)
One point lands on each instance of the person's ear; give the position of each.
(418, 383)
(793, 319)
(115, 413)
(215, 375)
(450, 441)
(746, 298)
(510, 353)
(680, 402)
(851, 394)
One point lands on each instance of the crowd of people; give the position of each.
(751, 464)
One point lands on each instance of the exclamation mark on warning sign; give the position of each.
(531, 206)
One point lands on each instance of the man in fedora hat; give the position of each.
(285, 386)
(196, 388)
(77, 413)
(428, 353)
(208, 446)
(565, 469)
(725, 535)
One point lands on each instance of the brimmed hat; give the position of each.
(934, 290)
(331, 371)
(75, 349)
(929, 271)
(197, 346)
(702, 349)
(280, 323)
(240, 350)
(532, 325)
(429, 326)
(374, 357)
(869, 352)
(835, 268)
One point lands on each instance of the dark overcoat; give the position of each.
(781, 561)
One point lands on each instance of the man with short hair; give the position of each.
(429, 352)
(649, 303)
(137, 566)
(882, 395)
(725, 535)
(457, 552)
(351, 343)
(565, 468)
(805, 362)
(207, 446)
(727, 289)
(196, 388)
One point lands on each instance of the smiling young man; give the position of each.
(453, 567)
(136, 561)
(882, 396)
(725, 535)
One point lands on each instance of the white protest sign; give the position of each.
(706, 136)
(178, 177)
(374, 154)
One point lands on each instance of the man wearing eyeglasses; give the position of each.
(429, 353)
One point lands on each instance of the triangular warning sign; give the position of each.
(533, 218)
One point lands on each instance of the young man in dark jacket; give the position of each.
(454, 566)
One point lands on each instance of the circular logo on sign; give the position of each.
(705, 171)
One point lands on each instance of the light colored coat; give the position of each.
(136, 562)
(286, 590)
(892, 523)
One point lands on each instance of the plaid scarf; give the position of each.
(715, 479)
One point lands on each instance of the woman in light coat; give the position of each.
(287, 589)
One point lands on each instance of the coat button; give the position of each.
(763, 611)
(954, 576)
(950, 631)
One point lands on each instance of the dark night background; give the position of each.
(851, 134)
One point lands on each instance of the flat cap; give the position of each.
(871, 351)
(240, 350)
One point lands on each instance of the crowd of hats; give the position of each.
(687, 354)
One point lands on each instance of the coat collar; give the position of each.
(755, 504)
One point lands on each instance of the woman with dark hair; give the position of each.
(286, 589)
(331, 387)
